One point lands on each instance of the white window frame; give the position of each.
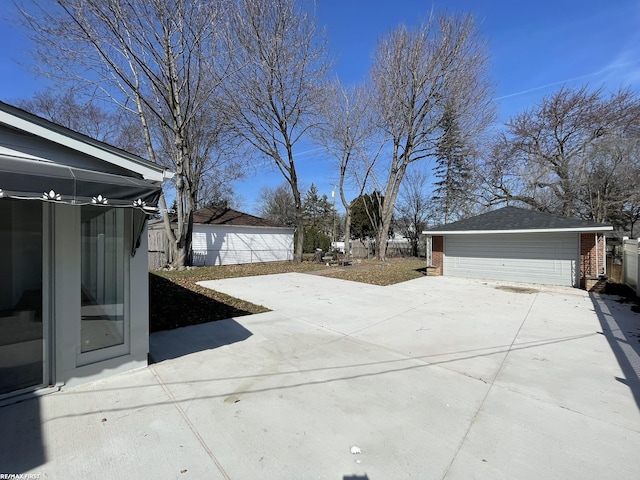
(124, 348)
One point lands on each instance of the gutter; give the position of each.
(522, 230)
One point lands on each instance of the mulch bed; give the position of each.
(627, 294)
(179, 303)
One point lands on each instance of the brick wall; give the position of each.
(437, 254)
(591, 257)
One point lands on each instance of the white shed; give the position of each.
(223, 236)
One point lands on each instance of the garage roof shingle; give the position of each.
(228, 216)
(518, 219)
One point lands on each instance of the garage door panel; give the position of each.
(533, 258)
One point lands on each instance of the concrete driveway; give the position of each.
(436, 378)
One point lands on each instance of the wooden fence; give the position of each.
(159, 250)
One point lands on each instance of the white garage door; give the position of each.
(531, 258)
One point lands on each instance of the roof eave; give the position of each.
(29, 123)
(605, 228)
(243, 226)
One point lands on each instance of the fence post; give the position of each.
(625, 264)
(637, 254)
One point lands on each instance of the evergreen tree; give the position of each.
(365, 215)
(314, 238)
(452, 165)
(318, 211)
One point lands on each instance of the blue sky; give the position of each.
(535, 47)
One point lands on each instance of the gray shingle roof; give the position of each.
(222, 216)
(228, 216)
(512, 218)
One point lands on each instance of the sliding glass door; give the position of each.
(21, 317)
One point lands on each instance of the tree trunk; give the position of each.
(381, 242)
(386, 214)
(386, 211)
(298, 254)
(182, 246)
(347, 234)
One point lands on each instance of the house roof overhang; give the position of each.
(22, 177)
(27, 122)
(34, 180)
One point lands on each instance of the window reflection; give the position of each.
(20, 295)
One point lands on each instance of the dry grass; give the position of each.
(176, 301)
(381, 273)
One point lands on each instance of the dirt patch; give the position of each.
(374, 272)
(626, 294)
(512, 289)
(179, 302)
(620, 289)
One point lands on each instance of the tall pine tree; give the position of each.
(452, 166)
(318, 210)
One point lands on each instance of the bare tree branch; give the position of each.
(157, 58)
(415, 73)
(274, 98)
(565, 155)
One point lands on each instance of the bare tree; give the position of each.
(346, 132)
(66, 108)
(273, 100)
(545, 157)
(631, 212)
(156, 58)
(610, 191)
(415, 74)
(277, 205)
(414, 207)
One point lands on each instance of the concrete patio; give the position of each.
(436, 378)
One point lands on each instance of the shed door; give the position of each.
(530, 258)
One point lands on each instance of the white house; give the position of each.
(223, 236)
(73, 276)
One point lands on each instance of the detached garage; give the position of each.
(517, 245)
(223, 236)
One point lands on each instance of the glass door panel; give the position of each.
(103, 278)
(21, 331)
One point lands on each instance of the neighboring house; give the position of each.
(223, 236)
(518, 245)
(73, 276)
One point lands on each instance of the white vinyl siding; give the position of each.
(231, 245)
(530, 258)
